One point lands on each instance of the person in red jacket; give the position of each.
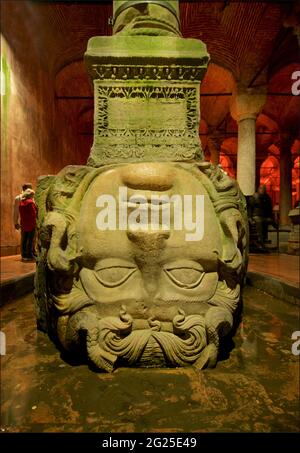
(28, 214)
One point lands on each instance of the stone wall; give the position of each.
(35, 137)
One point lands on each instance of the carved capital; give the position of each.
(146, 17)
(152, 72)
(247, 103)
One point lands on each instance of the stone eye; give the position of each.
(114, 276)
(185, 277)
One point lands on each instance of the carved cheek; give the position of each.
(102, 289)
(170, 291)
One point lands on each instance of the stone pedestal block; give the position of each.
(147, 98)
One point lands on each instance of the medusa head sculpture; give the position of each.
(141, 293)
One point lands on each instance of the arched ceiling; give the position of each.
(240, 36)
(67, 84)
(217, 80)
(283, 108)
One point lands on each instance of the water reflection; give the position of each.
(257, 380)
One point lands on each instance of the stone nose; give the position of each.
(150, 286)
(148, 176)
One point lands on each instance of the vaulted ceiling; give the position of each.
(248, 42)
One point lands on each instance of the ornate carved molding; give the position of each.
(149, 72)
(155, 121)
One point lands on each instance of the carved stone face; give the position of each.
(152, 272)
(158, 290)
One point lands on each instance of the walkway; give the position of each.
(12, 267)
(16, 277)
(283, 266)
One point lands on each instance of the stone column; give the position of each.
(214, 144)
(245, 107)
(258, 164)
(292, 21)
(286, 165)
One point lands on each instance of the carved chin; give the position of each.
(122, 340)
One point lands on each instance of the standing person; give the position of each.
(25, 186)
(261, 213)
(28, 214)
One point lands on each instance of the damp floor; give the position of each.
(254, 389)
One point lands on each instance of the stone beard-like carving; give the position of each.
(139, 298)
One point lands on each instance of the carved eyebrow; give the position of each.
(183, 264)
(115, 266)
(109, 263)
(118, 281)
(181, 283)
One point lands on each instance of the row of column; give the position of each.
(245, 107)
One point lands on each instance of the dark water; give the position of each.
(254, 389)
